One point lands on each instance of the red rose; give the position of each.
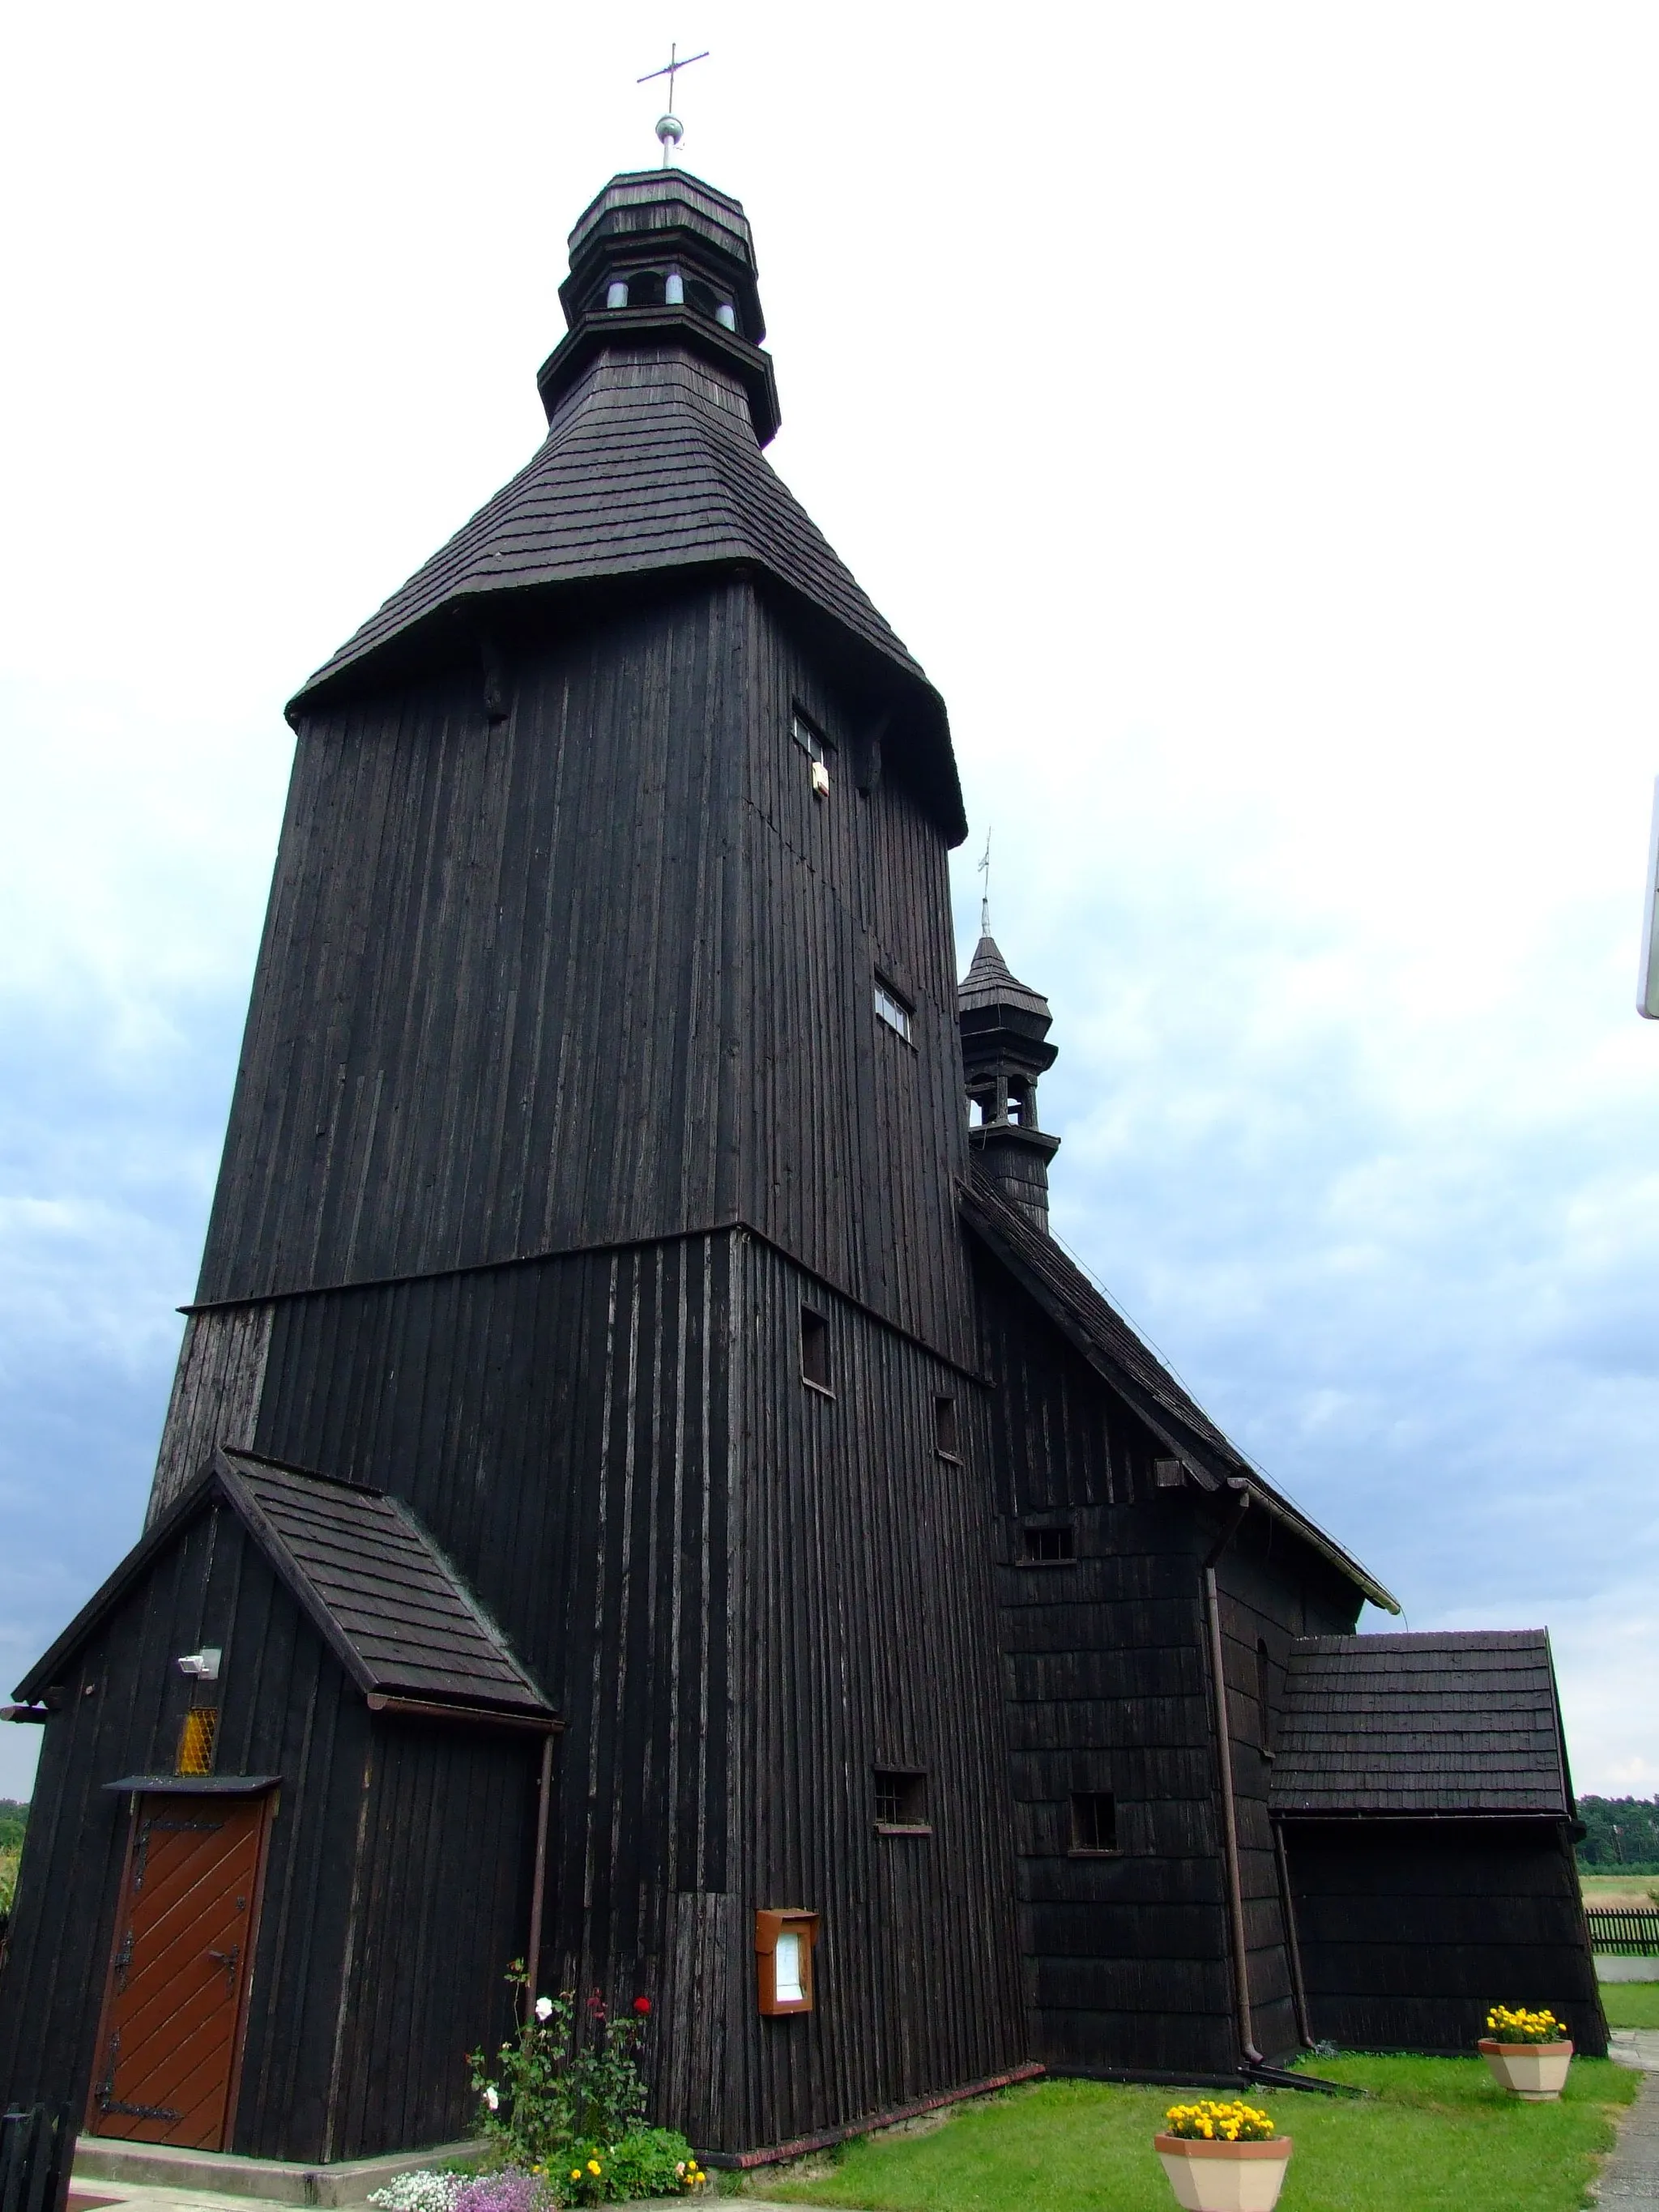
(641, 2005)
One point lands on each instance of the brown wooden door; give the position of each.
(170, 2036)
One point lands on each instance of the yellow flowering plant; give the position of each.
(1515, 2024)
(1211, 2120)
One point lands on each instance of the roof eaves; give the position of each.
(49, 1667)
(1195, 1451)
(488, 1628)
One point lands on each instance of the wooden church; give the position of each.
(643, 1491)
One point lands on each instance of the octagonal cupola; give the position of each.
(1004, 1025)
(661, 258)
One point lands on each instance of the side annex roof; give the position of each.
(395, 1613)
(1111, 1347)
(1464, 1722)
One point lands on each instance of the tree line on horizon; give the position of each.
(1619, 1833)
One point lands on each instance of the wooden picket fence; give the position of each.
(1626, 1933)
(37, 2145)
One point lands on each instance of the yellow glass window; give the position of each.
(196, 1740)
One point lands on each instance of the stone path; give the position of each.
(1630, 2180)
(1634, 2046)
(148, 2197)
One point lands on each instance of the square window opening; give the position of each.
(1048, 1546)
(947, 1437)
(814, 1349)
(893, 1010)
(1094, 1823)
(900, 1802)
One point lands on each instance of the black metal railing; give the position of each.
(1629, 1934)
(37, 2149)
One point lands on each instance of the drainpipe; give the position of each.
(1248, 2051)
(544, 1801)
(1287, 1905)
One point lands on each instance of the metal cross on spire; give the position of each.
(982, 866)
(669, 128)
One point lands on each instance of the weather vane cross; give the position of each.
(669, 127)
(983, 866)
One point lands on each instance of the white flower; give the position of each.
(543, 2008)
(493, 2098)
(419, 2192)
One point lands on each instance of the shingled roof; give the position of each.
(1454, 1723)
(991, 982)
(650, 465)
(1106, 1340)
(395, 1613)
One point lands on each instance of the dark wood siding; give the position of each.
(851, 1138)
(399, 1853)
(601, 971)
(1411, 1930)
(285, 1709)
(863, 1571)
(486, 1017)
(441, 1904)
(1107, 1680)
(560, 1429)
(1125, 1958)
(1271, 1589)
(563, 1428)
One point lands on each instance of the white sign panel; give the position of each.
(1647, 983)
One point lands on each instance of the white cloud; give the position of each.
(1247, 415)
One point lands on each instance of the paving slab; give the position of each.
(1634, 2046)
(210, 2180)
(1630, 2180)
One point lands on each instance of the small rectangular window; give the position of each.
(810, 739)
(946, 1436)
(1168, 1474)
(1094, 1823)
(901, 1802)
(814, 1349)
(1044, 1546)
(893, 1010)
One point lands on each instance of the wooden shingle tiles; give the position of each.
(392, 1608)
(651, 465)
(1464, 1723)
(1071, 1301)
(405, 1624)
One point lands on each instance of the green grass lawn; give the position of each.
(1437, 2135)
(1631, 2004)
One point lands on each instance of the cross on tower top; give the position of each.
(669, 128)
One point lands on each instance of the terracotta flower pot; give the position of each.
(1531, 2071)
(1225, 2177)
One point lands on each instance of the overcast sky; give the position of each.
(1247, 415)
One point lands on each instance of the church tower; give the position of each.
(1004, 1048)
(588, 1204)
